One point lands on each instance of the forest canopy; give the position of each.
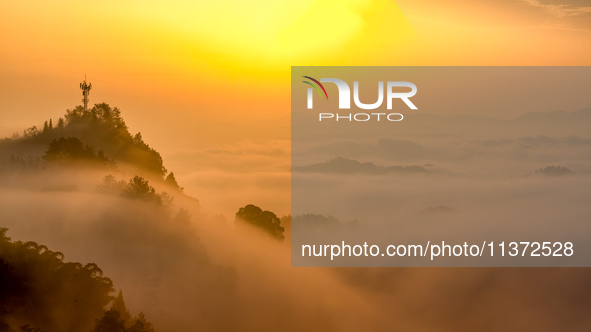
(100, 127)
(41, 292)
(265, 220)
(36, 283)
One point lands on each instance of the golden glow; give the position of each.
(195, 74)
(190, 54)
(270, 30)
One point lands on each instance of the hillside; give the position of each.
(340, 165)
(102, 128)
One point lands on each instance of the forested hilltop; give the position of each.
(41, 292)
(86, 186)
(101, 128)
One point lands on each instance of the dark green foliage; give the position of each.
(101, 127)
(72, 149)
(137, 188)
(35, 284)
(140, 188)
(266, 220)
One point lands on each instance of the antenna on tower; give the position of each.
(85, 92)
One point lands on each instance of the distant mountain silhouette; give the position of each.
(554, 171)
(438, 209)
(555, 116)
(556, 123)
(320, 221)
(340, 165)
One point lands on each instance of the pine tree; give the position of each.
(110, 322)
(119, 305)
(141, 324)
(171, 181)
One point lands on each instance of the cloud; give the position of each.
(559, 10)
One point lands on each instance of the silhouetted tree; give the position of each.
(183, 216)
(171, 181)
(110, 322)
(71, 149)
(111, 185)
(265, 220)
(68, 148)
(35, 284)
(141, 324)
(101, 127)
(554, 171)
(140, 188)
(119, 305)
(30, 132)
(286, 223)
(60, 124)
(29, 328)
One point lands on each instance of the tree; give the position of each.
(183, 216)
(29, 328)
(60, 123)
(171, 181)
(68, 148)
(111, 185)
(71, 148)
(36, 284)
(286, 223)
(140, 188)
(103, 128)
(554, 171)
(110, 322)
(141, 324)
(266, 220)
(119, 305)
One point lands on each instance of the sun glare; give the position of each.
(277, 31)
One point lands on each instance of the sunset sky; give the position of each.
(202, 79)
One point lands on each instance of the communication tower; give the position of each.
(85, 92)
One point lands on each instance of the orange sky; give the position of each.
(195, 75)
(232, 57)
